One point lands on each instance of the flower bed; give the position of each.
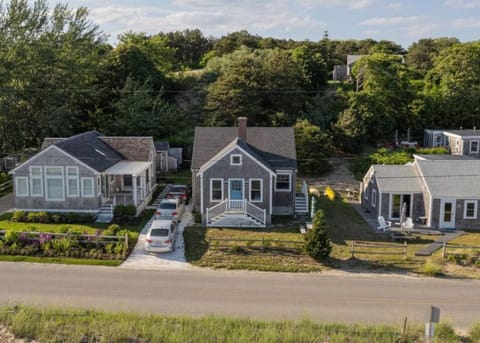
(111, 244)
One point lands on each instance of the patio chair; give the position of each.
(408, 225)
(383, 225)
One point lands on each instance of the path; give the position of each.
(429, 249)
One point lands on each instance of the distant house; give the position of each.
(441, 191)
(458, 142)
(168, 159)
(242, 176)
(87, 172)
(342, 72)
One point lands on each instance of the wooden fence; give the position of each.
(373, 248)
(262, 244)
(447, 246)
(5, 185)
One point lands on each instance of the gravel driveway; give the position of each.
(140, 259)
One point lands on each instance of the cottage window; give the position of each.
(236, 160)
(21, 186)
(88, 187)
(72, 182)
(438, 140)
(374, 198)
(36, 181)
(474, 147)
(54, 184)
(216, 190)
(470, 209)
(256, 190)
(283, 182)
(127, 181)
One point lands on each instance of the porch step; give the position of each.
(234, 220)
(105, 213)
(301, 205)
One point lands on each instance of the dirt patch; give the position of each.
(340, 177)
(7, 337)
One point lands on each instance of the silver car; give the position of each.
(161, 236)
(171, 209)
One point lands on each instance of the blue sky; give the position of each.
(401, 21)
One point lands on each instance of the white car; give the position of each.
(161, 236)
(170, 209)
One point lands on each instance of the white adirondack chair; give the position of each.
(383, 225)
(408, 225)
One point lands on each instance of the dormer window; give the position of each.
(236, 160)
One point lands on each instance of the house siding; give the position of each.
(460, 222)
(284, 202)
(371, 184)
(54, 157)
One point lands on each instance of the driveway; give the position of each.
(141, 260)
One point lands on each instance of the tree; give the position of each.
(421, 54)
(313, 146)
(190, 46)
(235, 40)
(314, 66)
(317, 242)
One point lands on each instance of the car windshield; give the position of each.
(178, 189)
(159, 232)
(168, 206)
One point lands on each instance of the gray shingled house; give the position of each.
(87, 172)
(439, 191)
(458, 142)
(242, 176)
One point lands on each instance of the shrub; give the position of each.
(124, 213)
(43, 217)
(317, 243)
(475, 332)
(432, 269)
(445, 333)
(119, 248)
(56, 218)
(112, 230)
(330, 193)
(18, 216)
(10, 237)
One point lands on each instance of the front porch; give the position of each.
(235, 213)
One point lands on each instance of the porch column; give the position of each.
(134, 181)
(143, 183)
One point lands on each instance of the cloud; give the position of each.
(421, 30)
(388, 21)
(462, 4)
(350, 4)
(395, 6)
(466, 23)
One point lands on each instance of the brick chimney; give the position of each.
(242, 128)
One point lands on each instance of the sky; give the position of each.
(403, 22)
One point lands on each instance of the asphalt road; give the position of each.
(350, 298)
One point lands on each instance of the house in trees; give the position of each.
(440, 191)
(88, 172)
(458, 142)
(241, 176)
(168, 159)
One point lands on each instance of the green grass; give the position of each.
(61, 260)
(72, 325)
(6, 224)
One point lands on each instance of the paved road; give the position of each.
(332, 298)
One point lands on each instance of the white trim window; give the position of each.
(283, 183)
(54, 184)
(21, 186)
(374, 198)
(474, 147)
(216, 190)
(365, 194)
(73, 189)
(256, 190)
(36, 181)
(88, 187)
(235, 160)
(470, 209)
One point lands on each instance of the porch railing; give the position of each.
(236, 206)
(216, 210)
(256, 212)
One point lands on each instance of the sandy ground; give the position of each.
(142, 260)
(7, 337)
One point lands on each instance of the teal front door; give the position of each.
(235, 188)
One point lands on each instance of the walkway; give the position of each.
(429, 249)
(155, 203)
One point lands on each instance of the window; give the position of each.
(236, 160)
(474, 147)
(399, 203)
(88, 187)
(127, 181)
(216, 189)
(283, 182)
(72, 182)
(54, 184)
(438, 140)
(470, 209)
(256, 194)
(374, 198)
(36, 181)
(21, 186)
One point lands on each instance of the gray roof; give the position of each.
(353, 58)
(463, 133)
(51, 140)
(395, 178)
(452, 178)
(445, 157)
(131, 148)
(91, 150)
(162, 146)
(274, 145)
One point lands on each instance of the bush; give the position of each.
(18, 216)
(432, 269)
(475, 332)
(124, 213)
(445, 333)
(317, 242)
(112, 230)
(330, 193)
(10, 237)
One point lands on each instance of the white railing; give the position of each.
(255, 212)
(216, 210)
(236, 206)
(305, 189)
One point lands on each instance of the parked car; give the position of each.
(171, 209)
(161, 236)
(178, 192)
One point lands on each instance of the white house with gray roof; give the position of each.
(441, 191)
(88, 172)
(242, 176)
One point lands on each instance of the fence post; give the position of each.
(353, 249)
(405, 249)
(444, 250)
(126, 245)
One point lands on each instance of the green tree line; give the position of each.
(59, 75)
